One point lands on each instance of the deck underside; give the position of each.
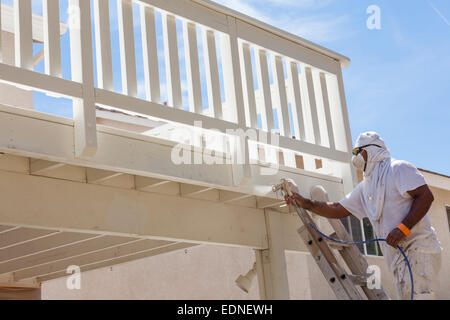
(128, 202)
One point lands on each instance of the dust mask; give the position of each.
(358, 162)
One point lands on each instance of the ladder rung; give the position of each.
(358, 280)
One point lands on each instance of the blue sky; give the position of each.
(398, 83)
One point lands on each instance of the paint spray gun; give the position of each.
(287, 187)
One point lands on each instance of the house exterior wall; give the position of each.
(209, 272)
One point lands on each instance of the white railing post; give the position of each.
(103, 45)
(296, 101)
(127, 53)
(212, 72)
(232, 74)
(150, 54)
(82, 71)
(326, 107)
(308, 80)
(248, 86)
(264, 88)
(192, 67)
(172, 62)
(280, 95)
(23, 38)
(52, 43)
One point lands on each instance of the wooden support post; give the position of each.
(82, 71)
(273, 259)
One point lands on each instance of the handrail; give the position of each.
(299, 84)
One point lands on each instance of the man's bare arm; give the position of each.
(423, 197)
(330, 210)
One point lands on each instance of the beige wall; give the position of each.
(208, 272)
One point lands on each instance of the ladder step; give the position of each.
(336, 245)
(358, 280)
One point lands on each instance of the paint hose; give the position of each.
(368, 241)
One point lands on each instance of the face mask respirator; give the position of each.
(358, 162)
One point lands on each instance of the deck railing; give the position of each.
(299, 80)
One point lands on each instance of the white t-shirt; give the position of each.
(401, 178)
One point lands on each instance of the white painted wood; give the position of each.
(40, 82)
(192, 67)
(344, 61)
(103, 45)
(280, 44)
(143, 183)
(337, 117)
(62, 252)
(150, 54)
(20, 235)
(212, 73)
(189, 190)
(42, 244)
(107, 253)
(119, 260)
(192, 11)
(264, 203)
(307, 74)
(23, 42)
(85, 134)
(232, 73)
(171, 61)
(99, 176)
(274, 260)
(127, 53)
(296, 100)
(154, 110)
(230, 196)
(52, 45)
(327, 110)
(266, 110)
(96, 208)
(248, 85)
(280, 96)
(44, 166)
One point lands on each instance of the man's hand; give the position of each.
(297, 198)
(394, 237)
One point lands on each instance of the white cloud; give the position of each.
(309, 24)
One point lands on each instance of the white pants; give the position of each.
(425, 267)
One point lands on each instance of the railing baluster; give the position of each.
(231, 73)
(103, 45)
(280, 95)
(296, 100)
(127, 54)
(172, 63)
(326, 107)
(307, 74)
(52, 45)
(23, 38)
(192, 67)
(150, 54)
(82, 71)
(264, 88)
(248, 85)
(212, 72)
